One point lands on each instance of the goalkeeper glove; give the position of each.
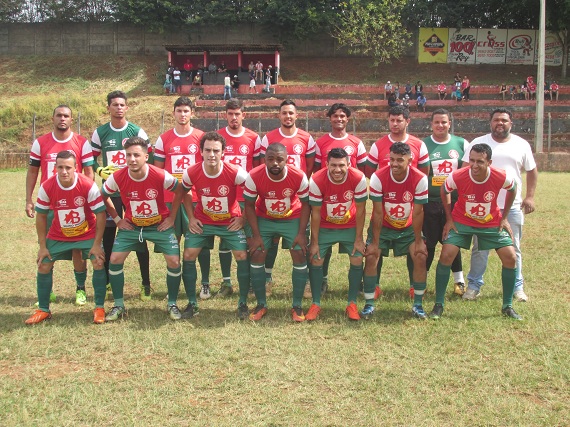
(106, 172)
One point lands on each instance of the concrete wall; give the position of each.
(122, 39)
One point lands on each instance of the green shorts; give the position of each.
(61, 251)
(134, 240)
(181, 221)
(487, 238)
(246, 229)
(233, 240)
(343, 236)
(397, 240)
(285, 228)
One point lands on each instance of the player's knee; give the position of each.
(240, 255)
(45, 267)
(172, 262)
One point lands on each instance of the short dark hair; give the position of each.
(339, 106)
(400, 148)
(234, 104)
(483, 149)
(276, 146)
(136, 140)
(399, 110)
(116, 94)
(287, 102)
(441, 111)
(183, 100)
(337, 153)
(63, 106)
(502, 110)
(66, 154)
(212, 136)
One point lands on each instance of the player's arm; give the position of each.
(360, 217)
(169, 221)
(310, 161)
(376, 226)
(256, 242)
(314, 250)
(509, 199)
(369, 169)
(531, 181)
(31, 180)
(88, 172)
(41, 229)
(417, 225)
(424, 169)
(97, 248)
(301, 238)
(446, 204)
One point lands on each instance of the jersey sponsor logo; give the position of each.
(206, 190)
(489, 196)
(280, 208)
(453, 154)
(145, 213)
(436, 155)
(349, 150)
(117, 158)
(480, 212)
(294, 160)
(72, 222)
(79, 201)
(348, 195)
(175, 149)
(223, 190)
(236, 160)
(270, 195)
(339, 213)
(407, 197)
(179, 163)
(216, 208)
(133, 195)
(333, 198)
(445, 167)
(244, 149)
(397, 214)
(151, 193)
(62, 203)
(391, 195)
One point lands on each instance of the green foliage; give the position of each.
(373, 28)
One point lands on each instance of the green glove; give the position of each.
(106, 172)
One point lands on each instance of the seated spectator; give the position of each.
(251, 68)
(524, 92)
(441, 91)
(408, 89)
(512, 92)
(235, 84)
(222, 68)
(421, 103)
(212, 68)
(503, 91)
(392, 100)
(387, 90)
(406, 101)
(456, 93)
(259, 71)
(197, 79)
(554, 88)
(418, 89)
(531, 87)
(547, 93)
(397, 90)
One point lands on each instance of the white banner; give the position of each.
(462, 45)
(553, 50)
(491, 46)
(521, 47)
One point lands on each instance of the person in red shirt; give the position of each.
(276, 204)
(78, 225)
(441, 91)
(554, 88)
(476, 213)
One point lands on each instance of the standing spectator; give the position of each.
(408, 89)
(170, 69)
(252, 88)
(259, 71)
(547, 93)
(177, 81)
(503, 90)
(168, 84)
(188, 70)
(465, 87)
(554, 91)
(251, 68)
(227, 86)
(397, 90)
(268, 79)
(235, 84)
(441, 91)
(387, 90)
(418, 89)
(457, 80)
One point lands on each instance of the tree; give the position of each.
(557, 20)
(372, 28)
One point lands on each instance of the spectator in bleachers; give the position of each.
(267, 80)
(512, 92)
(524, 92)
(176, 80)
(170, 69)
(387, 90)
(259, 71)
(547, 93)
(408, 89)
(397, 90)
(251, 68)
(441, 91)
(418, 89)
(188, 69)
(406, 101)
(222, 68)
(197, 79)
(554, 88)
(465, 87)
(531, 86)
(421, 103)
(392, 100)
(252, 88)
(227, 86)
(457, 80)
(235, 84)
(503, 91)
(168, 84)
(456, 93)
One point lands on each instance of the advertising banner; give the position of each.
(553, 50)
(521, 47)
(491, 46)
(462, 45)
(432, 46)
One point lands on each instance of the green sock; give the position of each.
(99, 281)
(80, 278)
(354, 279)
(257, 277)
(204, 260)
(117, 280)
(44, 283)
(410, 265)
(369, 288)
(316, 278)
(379, 269)
(189, 277)
(419, 290)
(243, 280)
(508, 277)
(268, 274)
(226, 266)
(173, 283)
(271, 255)
(326, 263)
(441, 279)
(299, 279)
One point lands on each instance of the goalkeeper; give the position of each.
(109, 154)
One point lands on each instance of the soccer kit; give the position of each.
(379, 155)
(299, 146)
(353, 146)
(108, 141)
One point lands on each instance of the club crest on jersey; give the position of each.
(174, 149)
(151, 193)
(79, 201)
(349, 150)
(407, 197)
(288, 192)
(192, 148)
(348, 195)
(453, 154)
(488, 196)
(244, 149)
(298, 149)
(123, 141)
(62, 203)
(223, 190)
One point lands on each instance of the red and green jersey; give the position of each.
(337, 201)
(217, 195)
(241, 150)
(178, 152)
(398, 197)
(74, 208)
(143, 199)
(351, 144)
(46, 148)
(476, 204)
(277, 199)
(299, 146)
(379, 155)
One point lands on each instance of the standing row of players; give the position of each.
(277, 201)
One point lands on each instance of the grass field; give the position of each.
(471, 368)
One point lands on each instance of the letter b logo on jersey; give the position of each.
(144, 209)
(478, 210)
(279, 206)
(445, 167)
(398, 212)
(339, 210)
(119, 159)
(183, 163)
(72, 217)
(214, 205)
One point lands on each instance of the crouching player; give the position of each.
(337, 196)
(476, 213)
(79, 222)
(147, 217)
(217, 213)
